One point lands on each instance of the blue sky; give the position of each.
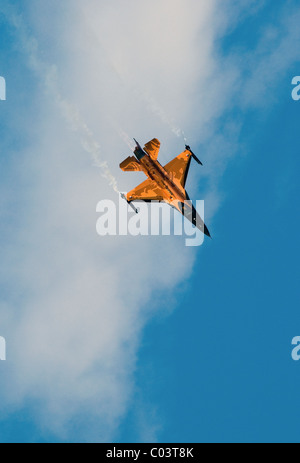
(199, 341)
(220, 366)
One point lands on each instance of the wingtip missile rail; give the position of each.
(130, 204)
(188, 148)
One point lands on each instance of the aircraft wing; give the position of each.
(146, 191)
(152, 148)
(179, 168)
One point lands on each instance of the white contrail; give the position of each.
(48, 73)
(73, 117)
(122, 134)
(88, 142)
(150, 103)
(159, 112)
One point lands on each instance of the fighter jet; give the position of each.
(164, 184)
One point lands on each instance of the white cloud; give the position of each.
(74, 332)
(78, 303)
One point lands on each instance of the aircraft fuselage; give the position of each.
(155, 171)
(164, 184)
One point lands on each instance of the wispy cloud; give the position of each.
(77, 302)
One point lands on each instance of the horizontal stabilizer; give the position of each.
(130, 165)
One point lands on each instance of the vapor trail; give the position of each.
(151, 104)
(48, 74)
(122, 134)
(159, 112)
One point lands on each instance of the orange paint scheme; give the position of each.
(164, 184)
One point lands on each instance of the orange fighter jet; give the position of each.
(164, 184)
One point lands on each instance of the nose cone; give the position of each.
(206, 231)
(192, 215)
